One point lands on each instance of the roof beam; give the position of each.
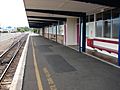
(29, 20)
(112, 3)
(37, 24)
(67, 13)
(51, 18)
(60, 23)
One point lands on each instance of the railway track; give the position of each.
(9, 60)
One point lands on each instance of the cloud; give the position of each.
(12, 13)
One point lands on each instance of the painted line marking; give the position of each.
(116, 66)
(49, 79)
(102, 60)
(37, 73)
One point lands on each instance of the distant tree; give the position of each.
(26, 29)
(18, 29)
(22, 29)
(34, 30)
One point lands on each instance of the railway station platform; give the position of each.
(52, 66)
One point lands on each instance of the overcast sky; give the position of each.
(12, 13)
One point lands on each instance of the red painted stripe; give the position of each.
(65, 32)
(90, 44)
(107, 41)
(78, 33)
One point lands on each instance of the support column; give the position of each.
(52, 32)
(40, 31)
(48, 32)
(119, 44)
(80, 31)
(43, 31)
(95, 27)
(56, 33)
(84, 33)
(71, 31)
(65, 33)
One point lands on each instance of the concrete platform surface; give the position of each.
(61, 68)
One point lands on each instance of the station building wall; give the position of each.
(103, 28)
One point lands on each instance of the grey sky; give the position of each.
(12, 13)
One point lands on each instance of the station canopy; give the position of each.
(60, 9)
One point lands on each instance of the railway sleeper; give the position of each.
(6, 61)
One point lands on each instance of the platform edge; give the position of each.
(18, 76)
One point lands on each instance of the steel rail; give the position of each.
(12, 58)
(10, 47)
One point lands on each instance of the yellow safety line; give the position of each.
(49, 79)
(38, 75)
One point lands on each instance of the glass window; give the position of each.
(115, 29)
(99, 16)
(87, 29)
(61, 31)
(115, 13)
(50, 29)
(99, 26)
(107, 15)
(54, 29)
(107, 29)
(91, 18)
(87, 19)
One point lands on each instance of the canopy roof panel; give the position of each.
(41, 7)
(64, 5)
(112, 3)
